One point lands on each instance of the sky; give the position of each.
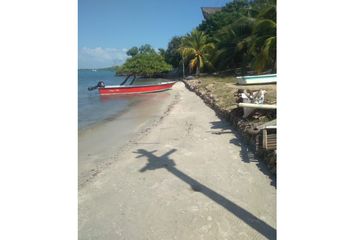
(108, 28)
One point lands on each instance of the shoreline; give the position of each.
(101, 143)
(188, 171)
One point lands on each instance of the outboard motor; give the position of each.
(99, 84)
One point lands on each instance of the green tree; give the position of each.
(146, 48)
(264, 40)
(133, 51)
(172, 55)
(233, 43)
(244, 34)
(229, 13)
(162, 52)
(197, 48)
(239, 36)
(146, 64)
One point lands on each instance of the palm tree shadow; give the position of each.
(247, 155)
(164, 161)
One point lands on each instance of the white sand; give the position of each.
(187, 177)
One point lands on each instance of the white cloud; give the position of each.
(101, 57)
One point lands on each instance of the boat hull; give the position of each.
(110, 90)
(258, 79)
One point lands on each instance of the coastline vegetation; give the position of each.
(144, 62)
(242, 35)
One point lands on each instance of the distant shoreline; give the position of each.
(111, 69)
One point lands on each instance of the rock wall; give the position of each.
(244, 129)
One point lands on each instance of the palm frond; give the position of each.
(269, 47)
(265, 27)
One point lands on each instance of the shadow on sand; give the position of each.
(246, 153)
(164, 161)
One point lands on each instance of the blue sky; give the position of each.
(108, 28)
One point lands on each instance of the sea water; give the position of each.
(93, 108)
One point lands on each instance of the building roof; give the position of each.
(207, 11)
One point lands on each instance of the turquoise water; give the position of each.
(93, 108)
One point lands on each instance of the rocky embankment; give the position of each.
(246, 128)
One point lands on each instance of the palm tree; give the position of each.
(233, 43)
(196, 48)
(264, 40)
(250, 41)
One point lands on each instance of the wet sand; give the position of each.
(184, 176)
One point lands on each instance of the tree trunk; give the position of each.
(197, 71)
(183, 66)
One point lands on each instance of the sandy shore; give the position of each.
(100, 144)
(185, 176)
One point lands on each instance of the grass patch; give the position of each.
(223, 88)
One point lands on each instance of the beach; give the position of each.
(181, 173)
(100, 143)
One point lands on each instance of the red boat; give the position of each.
(130, 89)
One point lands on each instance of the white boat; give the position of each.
(257, 79)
